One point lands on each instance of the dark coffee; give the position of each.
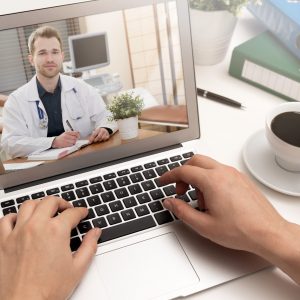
(286, 126)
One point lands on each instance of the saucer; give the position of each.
(261, 163)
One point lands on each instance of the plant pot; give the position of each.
(211, 35)
(128, 128)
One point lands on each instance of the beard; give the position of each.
(48, 72)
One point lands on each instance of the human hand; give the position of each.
(99, 135)
(236, 214)
(66, 139)
(36, 261)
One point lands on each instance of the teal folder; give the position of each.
(265, 63)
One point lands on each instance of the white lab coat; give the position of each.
(81, 105)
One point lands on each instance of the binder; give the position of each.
(282, 18)
(265, 63)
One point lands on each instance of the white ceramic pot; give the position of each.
(128, 128)
(211, 35)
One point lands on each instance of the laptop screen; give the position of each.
(150, 65)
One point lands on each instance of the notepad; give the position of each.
(52, 154)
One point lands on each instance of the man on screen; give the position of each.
(52, 110)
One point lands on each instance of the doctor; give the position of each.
(52, 110)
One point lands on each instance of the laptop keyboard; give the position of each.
(120, 203)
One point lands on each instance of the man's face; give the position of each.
(47, 57)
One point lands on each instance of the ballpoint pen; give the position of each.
(219, 98)
(68, 123)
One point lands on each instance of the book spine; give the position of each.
(263, 77)
(279, 24)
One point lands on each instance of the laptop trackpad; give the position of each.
(146, 270)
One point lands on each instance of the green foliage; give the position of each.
(125, 106)
(233, 6)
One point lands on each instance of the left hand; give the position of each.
(99, 135)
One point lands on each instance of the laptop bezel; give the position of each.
(82, 9)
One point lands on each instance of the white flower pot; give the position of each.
(211, 35)
(128, 128)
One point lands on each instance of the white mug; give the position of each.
(287, 155)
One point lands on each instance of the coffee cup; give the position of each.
(283, 135)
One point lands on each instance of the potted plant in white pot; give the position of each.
(125, 109)
(212, 24)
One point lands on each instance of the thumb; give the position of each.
(199, 221)
(85, 253)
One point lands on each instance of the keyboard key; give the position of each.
(123, 172)
(184, 161)
(157, 182)
(107, 197)
(90, 215)
(38, 195)
(173, 165)
(110, 176)
(75, 243)
(69, 196)
(9, 210)
(96, 179)
(142, 210)
(82, 192)
(161, 170)
(126, 228)
(193, 194)
(135, 189)
(150, 165)
(7, 203)
(129, 202)
(163, 217)
(22, 199)
(100, 222)
(136, 169)
(84, 227)
(79, 203)
(96, 188)
(102, 210)
(123, 181)
(110, 185)
(163, 161)
(128, 214)
(116, 206)
(143, 198)
(183, 197)
(148, 185)
(52, 191)
(67, 187)
(169, 190)
(114, 219)
(148, 174)
(74, 232)
(121, 193)
(136, 177)
(81, 183)
(188, 155)
(156, 194)
(155, 206)
(93, 200)
(176, 158)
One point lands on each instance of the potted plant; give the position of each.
(212, 24)
(125, 109)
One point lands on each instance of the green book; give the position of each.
(265, 63)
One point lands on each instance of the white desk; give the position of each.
(223, 132)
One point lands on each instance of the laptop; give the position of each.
(144, 251)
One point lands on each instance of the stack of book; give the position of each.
(271, 60)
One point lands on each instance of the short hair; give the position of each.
(44, 32)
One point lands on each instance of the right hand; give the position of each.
(66, 139)
(236, 215)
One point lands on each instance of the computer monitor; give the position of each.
(88, 51)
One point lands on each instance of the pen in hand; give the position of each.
(219, 98)
(70, 126)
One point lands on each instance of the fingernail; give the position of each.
(97, 233)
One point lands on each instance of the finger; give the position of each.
(26, 210)
(85, 253)
(202, 161)
(188, 174)
(7, 224)
(72, 216)
(181, 188)
(199, 221)
(72, 133)
(49, 206)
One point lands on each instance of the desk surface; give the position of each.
(224, 131)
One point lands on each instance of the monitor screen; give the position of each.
(88, 51)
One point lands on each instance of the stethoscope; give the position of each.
(43, 120)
